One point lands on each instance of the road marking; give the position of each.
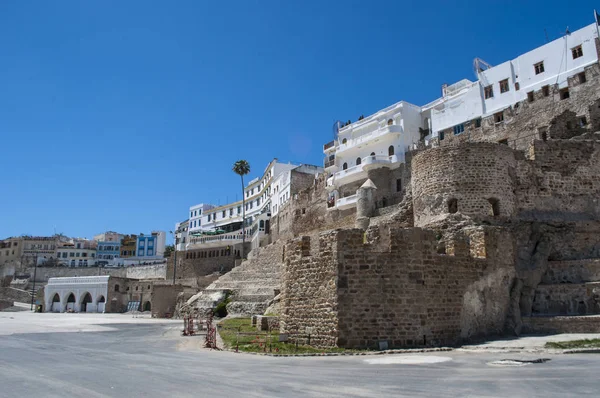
(407, 360)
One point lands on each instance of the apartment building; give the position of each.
(39, 249)
(547, 69)
(151, 246)
(11, 250)
(77, 253)
(181, 234)
(377, 141)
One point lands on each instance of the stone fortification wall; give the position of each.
(191, 265)
(157, 271)
(573, 271)
(164, 299)
(561, 182)
(525, 121)
(12, 294)
(465, 179)
(391, 284)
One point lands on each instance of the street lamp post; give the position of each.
(175, 255)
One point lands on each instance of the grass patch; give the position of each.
(250, 339)
(586, 343)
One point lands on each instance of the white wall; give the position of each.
(558, 65)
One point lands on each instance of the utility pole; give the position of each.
(175, 259)
(34, 276)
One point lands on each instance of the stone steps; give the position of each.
(567, 299)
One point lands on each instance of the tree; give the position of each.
(168, 250)
(242, 168)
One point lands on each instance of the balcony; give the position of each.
(329, 161)
(391, 131)
(344, 203)
(330, 146)
(218, 240)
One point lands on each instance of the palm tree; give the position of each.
(242, 168)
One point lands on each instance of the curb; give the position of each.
(339, 354)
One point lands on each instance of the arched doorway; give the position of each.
(70, 302)
(55, 306)
(100, 305)
(391, 150)
(147, 306)
(87, 299)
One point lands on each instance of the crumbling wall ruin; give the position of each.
(393, 285)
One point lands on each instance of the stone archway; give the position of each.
(86, 299)
(147, 306)
(55, 304)
(70, 304)
(101, 304)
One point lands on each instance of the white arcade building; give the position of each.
(77, 294)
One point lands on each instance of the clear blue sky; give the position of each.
(119, 115)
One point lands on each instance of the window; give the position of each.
(452, 206)
(543, 132)
(459, 129)
(116, 288)
(344, 141)
(478, 122)
(239, 209)
(345, 166)
(441, 135)
(546, 91)
(577, 52)
(398, 185)
(530, 96)
(539, 68)
(503, 86)
(391, 150)
(83, 254)
(372, 154)
(494, 206)
(194, 224)
(390, 122)
(498, 117)
(581, 77)
(150, 252)
(223, 214)
(209, 217)
(71, 254)
(517, 86)
(503, 142)
(230, 212)
(564, 93)
(582, 121)
(488, 91)
(358, 161)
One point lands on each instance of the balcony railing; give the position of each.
(329, 145)
(230, 237)
(329, 163)
(369, 136)
(346, 202)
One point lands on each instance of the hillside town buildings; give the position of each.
(467, 110)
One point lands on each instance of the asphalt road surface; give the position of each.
(149, 359)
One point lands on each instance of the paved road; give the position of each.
(150, 359)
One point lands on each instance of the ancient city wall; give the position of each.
(560, 182)
(466, 179)
(391, 284)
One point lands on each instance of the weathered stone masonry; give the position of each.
(396, 287)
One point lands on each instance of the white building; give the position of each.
(504, 85)
(378, 140)
(181, 235)
(260, 200)
(77, 294)
(77, 253)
